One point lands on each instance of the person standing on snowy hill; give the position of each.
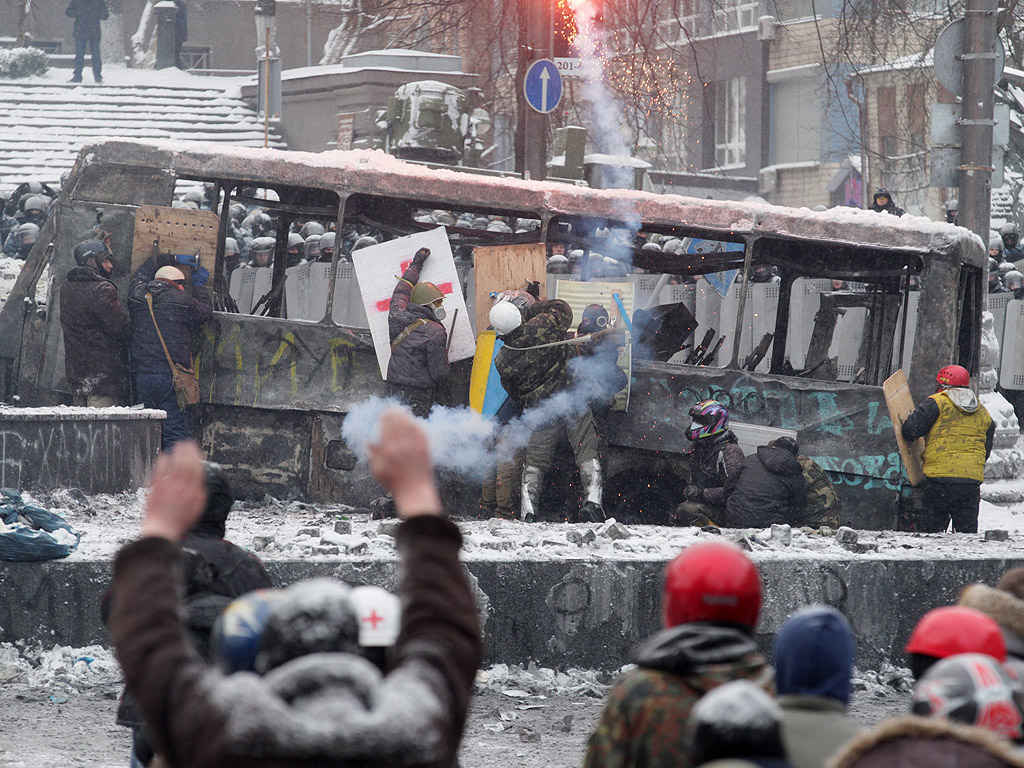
(958, 433)
(96, 329)
(710, 606)
(87, 15)
(311, 698)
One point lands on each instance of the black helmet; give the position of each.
(881, 192)
(1013, 280)
(973, 689)
(1009, 229)
(1005, 267)
(952, 204)
(92, 250)
(993, 265)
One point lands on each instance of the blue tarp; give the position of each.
(28, 533)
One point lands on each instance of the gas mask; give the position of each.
(439, 311)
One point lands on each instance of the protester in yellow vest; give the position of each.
(958, 439)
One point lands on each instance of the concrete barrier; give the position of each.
(558, 613)
(100, 450)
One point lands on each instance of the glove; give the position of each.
(420, 258)
(693, 493)
(188, 259)
(533, 288)
(200, 276)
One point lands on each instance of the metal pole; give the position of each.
(266, 92)
(309, 34)
(976, 123)
(535, 144)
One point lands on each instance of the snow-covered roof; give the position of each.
(377, 173)
(46, 120)
(913, 61)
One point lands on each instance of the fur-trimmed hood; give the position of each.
(1003, 607)
(910, 741)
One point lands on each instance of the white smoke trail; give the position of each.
(603, 108)
(462, 441)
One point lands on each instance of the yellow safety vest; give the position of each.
(955, 445)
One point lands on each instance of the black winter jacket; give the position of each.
(176, 313)
(95, 326)
(530, 375)
(769, 489)
(714, 463)
(87, 15)
(421, 359)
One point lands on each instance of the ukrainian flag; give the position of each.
(486, 395)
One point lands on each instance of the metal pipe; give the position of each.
(979, 60)
(266, 91)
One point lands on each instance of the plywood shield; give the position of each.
(179, 230)
(503, 268)
(901, 405)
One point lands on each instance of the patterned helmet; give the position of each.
(519, 298)
(973, 689)
(710, 418)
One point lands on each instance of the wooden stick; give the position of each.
(451, 331)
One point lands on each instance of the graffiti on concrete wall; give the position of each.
(96, 456)
(279, 364)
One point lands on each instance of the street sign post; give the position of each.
(949, 57)
(542, 86)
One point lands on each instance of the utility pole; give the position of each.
(539, 19)
(22, 23)
(976, 123)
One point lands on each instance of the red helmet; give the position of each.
(955, 629)
(954, 376)
(712, 581)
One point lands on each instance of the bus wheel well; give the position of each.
(643, 498)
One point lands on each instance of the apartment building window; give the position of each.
(796, 120)
(730, 122)
(792, 10)
(735, 15)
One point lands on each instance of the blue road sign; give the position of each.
(542, 86)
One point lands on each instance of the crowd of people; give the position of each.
(218, 675)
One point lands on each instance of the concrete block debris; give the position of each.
(997, 534)
(614, 530)
(262, 543)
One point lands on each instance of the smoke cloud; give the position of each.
(462, 441)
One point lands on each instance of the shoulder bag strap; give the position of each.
(149, 301)
(406, 331)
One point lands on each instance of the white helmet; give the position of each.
(505, 317)
(380, 616)
(169, 273)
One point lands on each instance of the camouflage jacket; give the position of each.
(822, 507)
(528, 375)
(645, 715)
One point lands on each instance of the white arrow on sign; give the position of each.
(544, 77)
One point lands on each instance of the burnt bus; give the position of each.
(824, 307)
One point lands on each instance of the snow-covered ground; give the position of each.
(287, 530)
(59, 708)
